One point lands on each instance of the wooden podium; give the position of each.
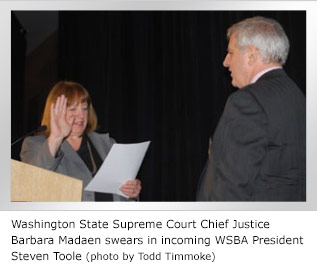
(30, 183)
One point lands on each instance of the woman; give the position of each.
(70, 146)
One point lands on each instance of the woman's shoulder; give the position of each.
(38, 139)
(32, 143)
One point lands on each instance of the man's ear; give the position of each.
(252, 55)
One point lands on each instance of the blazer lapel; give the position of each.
(75, 162)
(99, 146)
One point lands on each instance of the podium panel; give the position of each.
(31, 183)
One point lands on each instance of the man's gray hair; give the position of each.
(265, 34)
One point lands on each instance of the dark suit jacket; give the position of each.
(35, 151)
(258, 152)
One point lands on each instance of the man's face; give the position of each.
(237, 62)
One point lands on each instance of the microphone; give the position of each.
(37, 130)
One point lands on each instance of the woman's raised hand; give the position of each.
(60, 126)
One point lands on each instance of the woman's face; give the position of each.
(78, 111)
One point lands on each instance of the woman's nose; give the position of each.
(80, 113)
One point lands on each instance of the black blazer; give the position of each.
(258, 152)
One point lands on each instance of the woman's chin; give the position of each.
(77, 133)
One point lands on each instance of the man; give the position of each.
(258, 151)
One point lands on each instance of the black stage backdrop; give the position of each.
(18, 54)
(158, 76)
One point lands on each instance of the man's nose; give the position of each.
(226, 61)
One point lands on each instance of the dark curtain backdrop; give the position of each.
(158, 76)
(18, 47)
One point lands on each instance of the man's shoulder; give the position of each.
(274, 79)
(275, 83)
(274, 73)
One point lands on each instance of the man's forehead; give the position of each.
(232, 40)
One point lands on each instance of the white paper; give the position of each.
(122, 163)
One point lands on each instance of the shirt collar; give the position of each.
(259, 74)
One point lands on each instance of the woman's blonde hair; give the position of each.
(74, 92)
